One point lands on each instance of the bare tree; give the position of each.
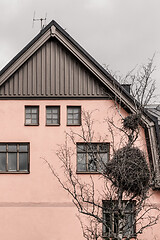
(120, 207)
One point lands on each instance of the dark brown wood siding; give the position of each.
(52, 72)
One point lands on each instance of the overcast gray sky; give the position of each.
(119, 33)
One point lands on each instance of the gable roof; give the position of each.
(96, 73)
(54, 30)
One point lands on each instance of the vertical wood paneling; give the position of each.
(79, 80)
(48, 68)
(25, 79)
(6, 89)
(2, 90)
(66, 75)
(34, 66)
(62, 72)
(20, 82)
(43, 70)
(83, 82)
(51, 86)
(75, 78)
(39, 72)
(30, 74)
(15, 84)
(57, 70)
(93, 86)
(52, 71)
(11, 86)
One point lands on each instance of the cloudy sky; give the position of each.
(118, 33)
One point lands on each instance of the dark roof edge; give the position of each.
(26, 47)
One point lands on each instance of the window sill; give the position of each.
(31, 125)
(15, 172)
(72, 125)
(52, 125)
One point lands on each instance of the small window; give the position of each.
(52, 115)
(74, 115)
(112, 216)
(92, 157)
(14, 157)
(31, 115)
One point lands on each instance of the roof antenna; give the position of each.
(39, 19)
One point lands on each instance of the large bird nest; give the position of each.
(128, 171)
(131, 122)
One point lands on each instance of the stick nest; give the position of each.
(131, 122)
(128, 170)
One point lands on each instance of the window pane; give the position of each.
(103, 157)
(23, 161)
(55, 116)
(49, 110)
(28, 110)
(129, 224)
(2, 147)
(108, 223)
(70, 110)
(76, 116)
(28, 121)
(2, 161)
(49, 115)
(23, 148)
(12, 148)
(92, 147)
(115, 222)
(28, 115)
(81, 162)
(34, 121)
(55, 110)
(34, 116)
(12, 161)
(70, 116)
(70, 122)
(34, 110)
(49, 121)
(55, 121)
(76, 122)
(81, 147)
(103, 147)
(76, 110)
(92, 162)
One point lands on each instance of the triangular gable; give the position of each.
(52, 71)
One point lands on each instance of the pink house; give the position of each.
(43, 91)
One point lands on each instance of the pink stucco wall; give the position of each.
(33, 206)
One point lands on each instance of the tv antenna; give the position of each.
(40, 19)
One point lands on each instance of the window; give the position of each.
(14, 157)
(112, 218)
(74, 115)
(53, 115)
(31, 115)
(91, 157)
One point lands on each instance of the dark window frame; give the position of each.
(37, 118)
(79, 116)
(18, 152)
(52, 107)
(110, 214)
(89, 153)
